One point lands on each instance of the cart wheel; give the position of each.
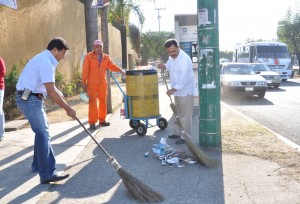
(133, 123)
(162, 123)
(141, 129)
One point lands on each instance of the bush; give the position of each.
(11, 79)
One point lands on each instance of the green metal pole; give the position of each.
(209, 74)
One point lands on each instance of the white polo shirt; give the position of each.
(39, 70)
(181, 74)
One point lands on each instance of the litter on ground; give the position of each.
(168, 155)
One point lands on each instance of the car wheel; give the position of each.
(284, 79)
(276, 86)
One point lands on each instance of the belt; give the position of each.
(39, 95)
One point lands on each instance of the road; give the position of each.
(279, 110)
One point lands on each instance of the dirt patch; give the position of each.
(243, 136)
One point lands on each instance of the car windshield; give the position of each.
(238, 69)
(260, 67)
(223, 60)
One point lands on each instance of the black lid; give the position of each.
(141, 72)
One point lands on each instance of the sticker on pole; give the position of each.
(203, 17)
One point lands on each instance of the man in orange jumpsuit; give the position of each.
(95, 65)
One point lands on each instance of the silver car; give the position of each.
(273, 78)
(240, 78)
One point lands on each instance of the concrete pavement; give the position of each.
(237, 179)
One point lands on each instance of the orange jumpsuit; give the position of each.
(94, 75)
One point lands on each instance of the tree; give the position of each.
(288, 31)
(119, 13)
(153, 46)
(91, 23)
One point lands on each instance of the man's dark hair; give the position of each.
(171, 42)
(58, 43)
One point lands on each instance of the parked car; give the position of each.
(273, 78)
(240, 78)
(224, 60)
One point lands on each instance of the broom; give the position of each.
(197, 153)
(134, 187)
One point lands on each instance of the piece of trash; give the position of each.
(146, 154)
(162, 142)
(190, 161)
(163, 162)
(173, 160)
(84, 97)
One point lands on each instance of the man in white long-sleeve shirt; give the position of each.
(180, 68)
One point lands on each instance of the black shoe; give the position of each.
(92, 126)
(55, 179)
(180, 141)
(105, 123)
(173, 136)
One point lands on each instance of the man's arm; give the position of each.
(85, 72)
(57, 98)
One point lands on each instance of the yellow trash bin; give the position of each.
(142, 87)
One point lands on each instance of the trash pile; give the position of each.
(168, 155)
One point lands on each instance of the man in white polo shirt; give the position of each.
(35, 83)
(180, 68)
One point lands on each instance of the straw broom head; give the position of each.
(136, 189)
(197, 153)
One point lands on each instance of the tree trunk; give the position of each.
(124, 46)
(298, 58)
(105, 39)
(91, 24)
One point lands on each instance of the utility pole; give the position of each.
(158, 16)
(209, 74)
(159, 6)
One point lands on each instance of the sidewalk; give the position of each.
(237, 179)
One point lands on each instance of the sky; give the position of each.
(238, 19)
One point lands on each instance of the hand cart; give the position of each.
(139, 124)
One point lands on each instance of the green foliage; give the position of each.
(119, 12)
(69, 89)
(153, 46)
(10, 80)
(289, 32)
